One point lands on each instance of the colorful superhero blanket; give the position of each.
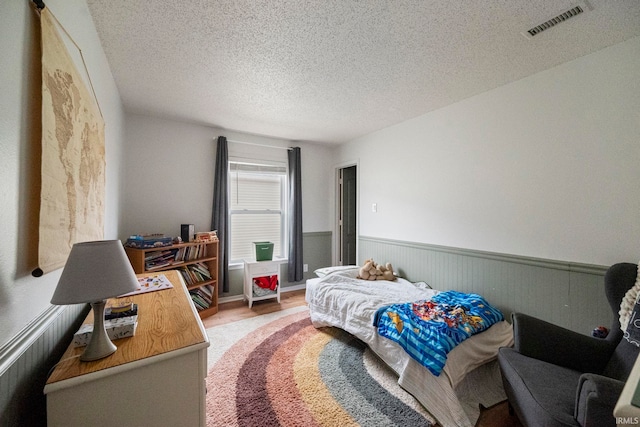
(429, 330)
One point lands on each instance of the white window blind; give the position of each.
(256, 207)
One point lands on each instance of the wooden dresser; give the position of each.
(155, 378)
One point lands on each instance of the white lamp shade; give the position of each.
(93, 272)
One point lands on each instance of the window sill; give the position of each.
(240, 265)
(236, 266)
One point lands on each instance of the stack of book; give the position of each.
(195, 273)
(189, 253)
(160, 259)
(119, 323)
(201, 297)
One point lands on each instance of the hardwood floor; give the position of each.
(238, 310)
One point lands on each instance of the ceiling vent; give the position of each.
(576, 10)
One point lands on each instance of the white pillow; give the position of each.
(325, 271)
(422, 285)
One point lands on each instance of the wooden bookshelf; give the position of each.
(193, 260)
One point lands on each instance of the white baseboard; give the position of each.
(282, 291)
(293, 288)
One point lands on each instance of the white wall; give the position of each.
(168, 171)
(548, 166)
(317, 187)
(169, 167)
(22, 297)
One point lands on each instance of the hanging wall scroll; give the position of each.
(73, 164)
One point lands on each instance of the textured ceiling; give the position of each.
(333, 70)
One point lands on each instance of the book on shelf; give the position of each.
(203, 269)
(195, 252)
(204, 295)
(199, 301)
(159, 259)
(180, 254)
(184, 272)
(195, 273)
(194, 278)
(208, 291)
(176, 255)
(150, 256)
(201, 272)
(157, 265)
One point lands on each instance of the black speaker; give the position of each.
(187, 231)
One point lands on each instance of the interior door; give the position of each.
(348, 215)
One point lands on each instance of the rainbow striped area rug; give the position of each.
(288, 373)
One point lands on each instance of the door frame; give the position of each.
(337, 239)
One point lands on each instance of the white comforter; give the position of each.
(341, 300)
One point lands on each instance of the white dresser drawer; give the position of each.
(265, 268)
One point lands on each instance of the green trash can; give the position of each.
(264, 251)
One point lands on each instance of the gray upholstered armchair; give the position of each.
(557, 377)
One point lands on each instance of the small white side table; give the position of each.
(252, 269)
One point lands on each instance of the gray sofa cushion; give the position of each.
(549, 396)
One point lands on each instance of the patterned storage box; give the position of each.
(122, 327)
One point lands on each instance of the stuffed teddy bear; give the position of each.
(372, 271)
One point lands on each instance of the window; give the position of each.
(257, 207)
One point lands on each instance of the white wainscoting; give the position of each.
(568, 294)
(25, 362)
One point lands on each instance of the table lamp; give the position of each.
(94, 272)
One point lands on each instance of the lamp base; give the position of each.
(100, 345)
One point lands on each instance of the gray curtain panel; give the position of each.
(219, 219)
(295, 216)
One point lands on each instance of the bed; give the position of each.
(471, 374)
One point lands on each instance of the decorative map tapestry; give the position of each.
(73, 165)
